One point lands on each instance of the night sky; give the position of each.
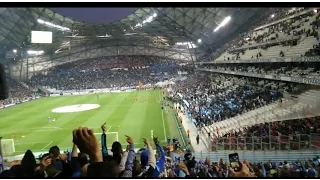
(95, 15)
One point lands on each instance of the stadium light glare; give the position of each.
(148, 20)
(14, 51)
(49, 24)
(35, 52)
(272, 15)
(188, 44)
(223, 23)
(315, 11)
(199, 41)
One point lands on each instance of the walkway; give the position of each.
(187, 124)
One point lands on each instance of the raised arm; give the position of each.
(74, 152)
(151, 155)
(161, 162)
(123, 161)
(87, 143)
(104, 147)
(129, 163)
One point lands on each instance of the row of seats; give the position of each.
(308, 70)
(274, 112)
(297, 43)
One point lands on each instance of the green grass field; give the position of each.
(121, 113)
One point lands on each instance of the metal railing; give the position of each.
(265, 143)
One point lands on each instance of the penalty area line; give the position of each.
(106, 130)
(47, 145)
(109, 128)
(24, 143)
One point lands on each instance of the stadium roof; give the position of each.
(174, 29)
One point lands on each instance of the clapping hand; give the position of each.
(45, 162)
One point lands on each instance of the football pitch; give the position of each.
(123, 115)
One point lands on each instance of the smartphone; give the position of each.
(235, 162)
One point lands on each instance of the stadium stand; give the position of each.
(18, 93)
(291, 38)
(109, 72)
(231, 112)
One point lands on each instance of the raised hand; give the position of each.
(244, 172)
(87, 143)
(182, 166)
(129, 139)
(45, 162)
(155, 140)
(103, 127)
(146, 141)
(63, 157)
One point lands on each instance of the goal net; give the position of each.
(111, 137)
(7, 147)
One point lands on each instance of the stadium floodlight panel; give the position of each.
(315, 10)
(223, 23)
(199, 40)
(272, 15)
(14, 51)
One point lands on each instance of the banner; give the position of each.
(306, 80)
(306, 59)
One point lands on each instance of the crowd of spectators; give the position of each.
(17, 93)
(220, 97)
(95, 161)
(110, 72)
(315, 51)
(296, 134)
(215, 98)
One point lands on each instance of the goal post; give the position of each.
(7, 147)
(111, 137)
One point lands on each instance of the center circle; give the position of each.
(75, 108)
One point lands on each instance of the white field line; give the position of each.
(163, 124)
(50, 142)
(23, 143)
(47, 145)
(106, 131)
